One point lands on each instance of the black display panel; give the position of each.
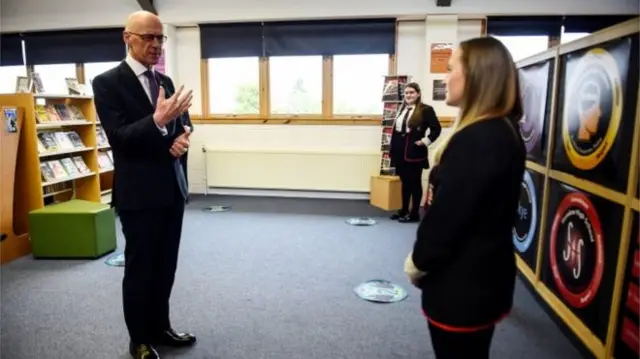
(527, 227)
(581, 251)
(597, 96)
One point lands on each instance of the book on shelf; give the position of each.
(54, 141)
(54, 113)
(101, 137)
(104, 161)
(63, 168)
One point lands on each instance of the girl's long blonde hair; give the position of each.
(491, 88)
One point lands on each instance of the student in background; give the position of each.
(463, 257)
(409, 149)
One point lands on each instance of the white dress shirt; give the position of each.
(400, 121)
(139, 69)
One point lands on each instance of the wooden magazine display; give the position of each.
(12, 119)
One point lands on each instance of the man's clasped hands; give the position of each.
(170, 108)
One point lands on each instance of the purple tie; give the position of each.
(153, 86)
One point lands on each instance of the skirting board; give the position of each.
(287, 194)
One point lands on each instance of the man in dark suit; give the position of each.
(142, 115)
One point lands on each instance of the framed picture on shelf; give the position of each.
(627, 343)
(581, 252)
(526, 229)
(535, 88)
(596, 112)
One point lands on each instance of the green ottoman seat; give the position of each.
(72, 229)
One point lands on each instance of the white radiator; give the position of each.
(290, 169)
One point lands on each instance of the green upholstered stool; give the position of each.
(72, 229)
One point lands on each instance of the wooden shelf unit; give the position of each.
(626, 199)
(31, 191)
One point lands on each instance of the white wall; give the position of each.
(23, 15)
(413, 59)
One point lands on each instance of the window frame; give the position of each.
(206, 106)
(265, 114)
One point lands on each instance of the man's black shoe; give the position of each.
(171, 338)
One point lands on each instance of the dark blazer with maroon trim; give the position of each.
(464, 241)
(415, 153)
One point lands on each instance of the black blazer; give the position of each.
(464, 241)
(144, 175)
(414, 153)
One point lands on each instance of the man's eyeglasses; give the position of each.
(150, 37)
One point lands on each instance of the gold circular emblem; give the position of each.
(592, 108)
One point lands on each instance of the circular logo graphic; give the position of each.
(524, 230)
(576, 250)
(533, 113)
(592, 109)
(361, 221)
(380, 291)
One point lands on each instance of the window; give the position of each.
(94, 69)
(53, 76)
(357, 83)
(234, 85)
(295, 84)
(571, 36)
(522, 47)
(8, 75)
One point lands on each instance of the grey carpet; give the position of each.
(273, 279)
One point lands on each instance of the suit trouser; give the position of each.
(151, 256)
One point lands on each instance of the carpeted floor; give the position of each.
(273, 279)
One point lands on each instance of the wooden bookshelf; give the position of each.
(32, 191)
(106, 175)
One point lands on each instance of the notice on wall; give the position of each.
(439, 90)
(440, 54)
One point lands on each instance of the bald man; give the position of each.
(144, 118)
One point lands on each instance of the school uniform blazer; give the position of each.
(464, 241)
(429, 121)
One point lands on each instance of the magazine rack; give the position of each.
(385, 190)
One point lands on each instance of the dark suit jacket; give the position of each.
(414, 153)
(144, 174)
(464, 240)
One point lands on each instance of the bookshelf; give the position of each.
(57, 157)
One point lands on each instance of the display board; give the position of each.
(535, 82)
(526, 229)
(583, 165)
(392, 97)
(627, 339)
(597, 100)
(579, 263)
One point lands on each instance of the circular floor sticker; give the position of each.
(380, 291)
(361, 221)
(217, 208)
(115, 260)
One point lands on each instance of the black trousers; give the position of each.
(410, 174)
(151, 257)
(456, 345)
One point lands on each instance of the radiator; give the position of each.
(290, 169)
